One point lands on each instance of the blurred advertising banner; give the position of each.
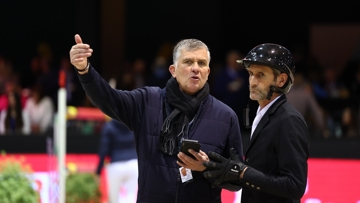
(329, 180)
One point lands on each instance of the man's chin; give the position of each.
(255, 97)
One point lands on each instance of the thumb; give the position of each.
(78, 39)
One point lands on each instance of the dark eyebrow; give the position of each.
(187, 59)
(203, 60)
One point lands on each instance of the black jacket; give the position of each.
(277, 155)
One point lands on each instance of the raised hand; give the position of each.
(225, 170)
(79, 53)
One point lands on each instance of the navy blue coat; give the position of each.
(215, 126)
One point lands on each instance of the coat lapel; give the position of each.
(265, 119)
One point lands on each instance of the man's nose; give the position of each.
(253, 81)
(195, 67)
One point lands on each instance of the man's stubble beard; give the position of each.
(257, 96)
(260, 94)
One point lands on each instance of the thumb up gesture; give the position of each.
(79, 53)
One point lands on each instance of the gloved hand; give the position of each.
(224, 169)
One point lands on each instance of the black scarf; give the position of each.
(185, 107)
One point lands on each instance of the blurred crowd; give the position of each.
(328, 97)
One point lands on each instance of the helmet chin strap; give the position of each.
(274, 89)
(246, 120)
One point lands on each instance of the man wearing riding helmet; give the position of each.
(275, 167)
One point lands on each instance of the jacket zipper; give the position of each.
(194, 121)
(187, 133)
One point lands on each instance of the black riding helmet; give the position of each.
(272, 55)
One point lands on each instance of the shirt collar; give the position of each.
(264, 110)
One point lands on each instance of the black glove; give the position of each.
(224, 169)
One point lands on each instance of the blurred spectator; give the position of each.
(14, 120)
(350, 122)
(231, 85)
(117, 142)
(334, 88)
(303, 99)
(11, 85)
(127, 80)
(351, 115)
(329, 86)
(40, 109)
(139, 72)
(159, 72)
(30, 75)
(312, 71)
(134, 74)
(6, 71)
(333, 96)
(49, 79)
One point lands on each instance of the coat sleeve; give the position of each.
(122, 105)
(234, 140)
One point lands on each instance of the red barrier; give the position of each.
(329, 180)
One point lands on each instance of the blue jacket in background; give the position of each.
(143, 110)
(117, 142)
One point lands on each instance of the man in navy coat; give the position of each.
(162, 117)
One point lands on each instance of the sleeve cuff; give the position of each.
(88, 77)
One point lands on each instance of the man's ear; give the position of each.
(172, 70)
(281, 79)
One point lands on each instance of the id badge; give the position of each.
(186, 175)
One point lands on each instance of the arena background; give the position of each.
(120, 30)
